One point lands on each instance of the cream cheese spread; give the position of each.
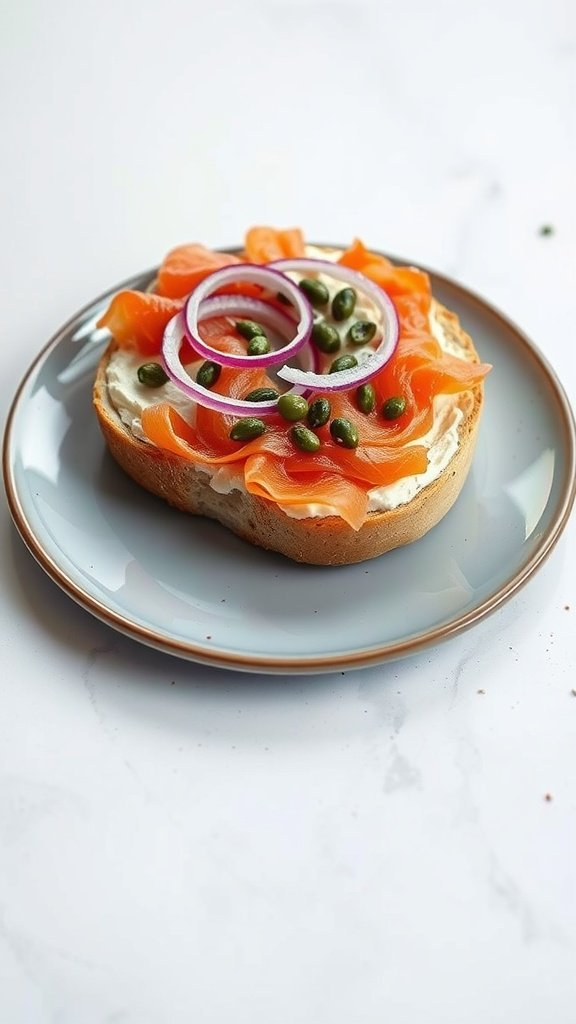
(129, 398)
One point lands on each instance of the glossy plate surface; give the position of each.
(188, 587)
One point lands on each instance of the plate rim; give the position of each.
(311, 664)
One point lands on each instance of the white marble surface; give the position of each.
(181, 844)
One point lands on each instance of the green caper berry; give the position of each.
(283, 299)
(319, 412)
(247, 428)
(259, 345)
(366, 398)
(361, 332)
(261, 395)
(344, 433)
(249, 329)
(394, 407)
(343, 363)
(325, 337)
(304, 439)
(152, 375)
(316, 292)
(208, 374)
(343, 303)
(292, 407)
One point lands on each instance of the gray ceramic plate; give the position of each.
(190, 588)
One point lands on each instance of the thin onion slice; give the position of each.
(269, 279)
(242, 306)
(174, 334)
(370, 363)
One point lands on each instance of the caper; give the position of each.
(305, 439)
(394, 407)
(366, 398)
(292, 407)
(319, 412)
(343, 363)
(325, 337)
(152, 375)
(259, 345)
(316, 292)
(361, 332)
(344, 433)
(343, 303)
(261, 395)
(247, 428)
(283, 299)
(208, 374)
(249, 329)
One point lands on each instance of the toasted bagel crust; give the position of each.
(318, 541)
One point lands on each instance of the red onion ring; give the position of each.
(241, 305)
(252, 273)
(174, 334)
(371, 362)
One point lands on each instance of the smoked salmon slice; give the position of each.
(272, 480)
(187, 265)
(167, 429)
(264, 245)
(138, 319)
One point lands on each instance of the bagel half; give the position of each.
(320, 540)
